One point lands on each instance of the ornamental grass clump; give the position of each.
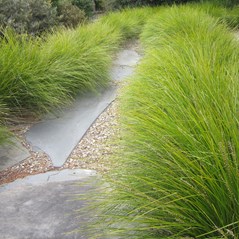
(39, 75)
(228, 15)
(177, 169)
(4, 133)
(79, 60)
(24, 83)
(129, 21)
(168, 27)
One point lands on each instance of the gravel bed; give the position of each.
(95, 149)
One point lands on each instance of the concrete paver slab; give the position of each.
(12, 154)
(41, 210)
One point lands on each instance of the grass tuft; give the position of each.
(23, 81)
(227, 15)
(177, 170)
(4, 133)
(79, 60)
(129, 21)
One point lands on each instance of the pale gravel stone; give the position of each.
(96, 148)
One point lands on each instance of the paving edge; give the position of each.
(51, 177)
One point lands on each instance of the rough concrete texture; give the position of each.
(40, 210)
(58, 136)
(12, 154)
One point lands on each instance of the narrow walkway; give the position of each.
(42, 206)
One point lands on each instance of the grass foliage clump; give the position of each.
(39, 75)
(79, 60)
(177, 172)
(230, 16)
(24, 83)
(4, 134)
(129, 21)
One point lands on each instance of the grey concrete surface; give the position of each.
(57, 136)
(41, 209)
(12, 154)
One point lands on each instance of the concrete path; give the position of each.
(12, 154)
(57, 136)
(44, 206)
